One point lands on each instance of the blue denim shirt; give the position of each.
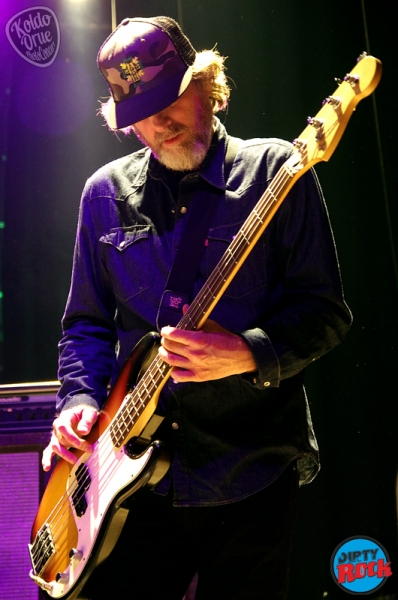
(235, 435)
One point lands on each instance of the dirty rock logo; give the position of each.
(34, 34)
(360, 565)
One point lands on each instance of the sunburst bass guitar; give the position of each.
(82, 513)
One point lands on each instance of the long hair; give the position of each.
(209, 69)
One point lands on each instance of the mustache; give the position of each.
(170, 132)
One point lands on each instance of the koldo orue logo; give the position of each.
(34, 34)
(360, 565)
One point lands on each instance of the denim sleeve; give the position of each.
(310, 316)
(87, 360)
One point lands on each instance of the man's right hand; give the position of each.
(67, 429)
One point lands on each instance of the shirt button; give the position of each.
(174, 425)
(183, 210)
(266, 383)
(122, 244)
(254, 380)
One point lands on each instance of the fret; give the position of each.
(245, 237)
(117, 436)
(192, 322)
(136, 411)
(269, 193)
(289, 170)
(231, 255)
(122, 418)
(199, 304)
(206, 289)
(219, 274)
(121, 427)
(144, 385)
(162, 366)
(255, 213)
(152, 376)
(137, 392)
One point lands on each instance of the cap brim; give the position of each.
(144, 105)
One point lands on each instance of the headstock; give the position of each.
(319, 139)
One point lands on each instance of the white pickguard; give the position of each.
(110, 471)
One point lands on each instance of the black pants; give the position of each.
(241, 551)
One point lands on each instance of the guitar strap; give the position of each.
(183, 272)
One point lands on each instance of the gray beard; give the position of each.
(189, 155)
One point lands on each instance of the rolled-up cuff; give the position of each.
(76, 400)
(268, 369)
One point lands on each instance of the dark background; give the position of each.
(283, 57)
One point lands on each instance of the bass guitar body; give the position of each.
(81, 513)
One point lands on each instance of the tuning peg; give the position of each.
(317, 123)
(334, 101)
(300, 144)
(351, 79)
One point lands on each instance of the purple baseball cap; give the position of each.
(147, 64)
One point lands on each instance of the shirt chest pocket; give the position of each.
(250, 280)
(126, 252)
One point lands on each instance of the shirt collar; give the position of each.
(212, 168)
(138, 167)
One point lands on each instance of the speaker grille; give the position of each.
(19, 499)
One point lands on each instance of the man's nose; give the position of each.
(161, 120)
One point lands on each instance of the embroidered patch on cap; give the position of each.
(132, 70)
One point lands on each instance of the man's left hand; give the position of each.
(211, 353)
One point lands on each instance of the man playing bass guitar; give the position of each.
(236, 418)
